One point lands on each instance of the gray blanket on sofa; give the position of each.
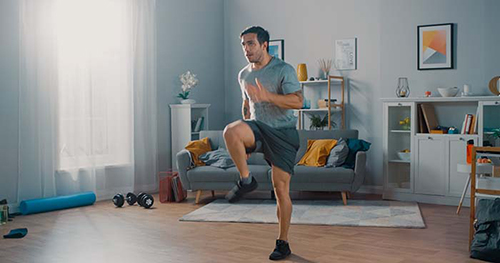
(219, 158)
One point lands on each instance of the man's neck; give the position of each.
(265, 60)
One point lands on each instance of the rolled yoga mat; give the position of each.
(40, 205)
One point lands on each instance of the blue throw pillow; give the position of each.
(218, 158)
(355, 145)
(338, 154)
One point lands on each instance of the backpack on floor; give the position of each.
(486, 242)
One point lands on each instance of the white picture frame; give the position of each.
(345, 54)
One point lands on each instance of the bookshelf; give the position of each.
(430, 175)
(311, 91)
(186, 122)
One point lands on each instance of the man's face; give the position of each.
(254, 51)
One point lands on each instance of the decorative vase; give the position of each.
(403, 89)
(188, 101)
(302, 72)
(326, 74)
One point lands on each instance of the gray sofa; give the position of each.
(304, 179)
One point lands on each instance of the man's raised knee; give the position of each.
(230, 132)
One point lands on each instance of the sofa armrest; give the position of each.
(359, 171)
(183, 164)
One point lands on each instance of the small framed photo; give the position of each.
(277, 48)
(345, 54)
(435, 46)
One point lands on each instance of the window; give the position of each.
(95, 69)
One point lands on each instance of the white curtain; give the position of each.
(87, 97)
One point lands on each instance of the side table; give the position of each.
(481, 168)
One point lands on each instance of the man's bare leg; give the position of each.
(239, 136)
(281, 184)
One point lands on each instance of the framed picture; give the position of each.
(345, 54)
(277, 48)
(435, 46)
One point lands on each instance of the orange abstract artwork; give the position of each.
(434, 46)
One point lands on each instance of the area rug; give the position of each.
(314, 212)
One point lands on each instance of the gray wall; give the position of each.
(190, 37)
(386, 34)
(9, 102)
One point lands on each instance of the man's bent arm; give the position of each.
(245, 109)
(288, 101)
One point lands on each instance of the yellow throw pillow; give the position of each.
(197, 148)
(317, 152)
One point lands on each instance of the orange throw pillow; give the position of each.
(197, 148)
(317, 152)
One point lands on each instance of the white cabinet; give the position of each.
(397, 139)
(183, 121)
(457, 149)
(430, 174)
(430, 170)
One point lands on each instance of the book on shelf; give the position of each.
(422, 128)
(429, 116)
(474, 122)
(199, 124)
(467, 124)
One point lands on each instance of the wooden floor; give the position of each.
(102, 233)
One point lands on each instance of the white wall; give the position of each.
(386, 33)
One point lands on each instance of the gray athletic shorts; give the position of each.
(279, 145)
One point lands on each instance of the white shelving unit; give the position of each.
(431, 175)
(313, 91)
(181, 117)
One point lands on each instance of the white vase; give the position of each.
(188, 101)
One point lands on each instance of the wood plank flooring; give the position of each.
(102, 233)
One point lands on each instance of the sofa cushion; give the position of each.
(305, 135)
(338, 154)
(355, 146)
(317, 152)
(258, 171)
(211, 174)
(307, 174)
(197, 148)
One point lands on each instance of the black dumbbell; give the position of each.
(139, 197)
(131, 198)
(146, 200)
(118, 200)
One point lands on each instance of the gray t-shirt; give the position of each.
(277, 77)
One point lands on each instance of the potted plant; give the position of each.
(189, 81)
(318, 123)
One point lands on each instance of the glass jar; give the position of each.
(4, 214)
(403, 89)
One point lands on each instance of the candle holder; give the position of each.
(403, 89)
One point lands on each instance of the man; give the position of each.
(270, 91)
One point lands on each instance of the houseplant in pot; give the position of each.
(188, 81)
(318, 123)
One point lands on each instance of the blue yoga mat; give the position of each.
(40, 205)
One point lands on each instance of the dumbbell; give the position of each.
(119, 200)
(145, 200)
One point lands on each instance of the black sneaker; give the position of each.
(240, 189)
(281, 251)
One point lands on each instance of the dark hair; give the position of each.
(262, 34)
